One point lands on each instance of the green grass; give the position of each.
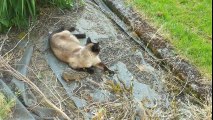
(5, 107)
(20, 12)
(189, 25)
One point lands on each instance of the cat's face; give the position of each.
(94, 47)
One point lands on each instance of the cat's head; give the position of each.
(94, 47)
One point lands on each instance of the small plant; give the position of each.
(115, 88)
(5, 107)
(20, 12)
(59, 3)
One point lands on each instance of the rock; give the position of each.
(71, 75)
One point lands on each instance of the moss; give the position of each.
(115, 88)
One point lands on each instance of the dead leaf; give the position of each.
(141, 67)
(21, 35)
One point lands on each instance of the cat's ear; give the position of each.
(97, 43)
(71, 29)
(89, 40)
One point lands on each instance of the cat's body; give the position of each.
(67, 48)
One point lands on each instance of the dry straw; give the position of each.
(19, 76)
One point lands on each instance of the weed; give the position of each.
(5, 107)
(115, 88)
(20, 12)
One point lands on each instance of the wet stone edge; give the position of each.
(161, 48)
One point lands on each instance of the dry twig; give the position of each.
(19, 76)
(5, 38)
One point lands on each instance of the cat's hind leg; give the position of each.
(80, 36)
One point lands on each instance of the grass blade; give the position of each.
(16, 11)
(22, 7)
(33, 7)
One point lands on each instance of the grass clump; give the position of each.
(115, 88)
(20, 12)
(188, 25)
(5, 107)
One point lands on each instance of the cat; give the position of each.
(67, 48)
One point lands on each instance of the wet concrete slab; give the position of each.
(95, 24)
(137, 80)
(122, 55)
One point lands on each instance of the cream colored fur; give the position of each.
(67, 48)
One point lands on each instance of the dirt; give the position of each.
(141, 88)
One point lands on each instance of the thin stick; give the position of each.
(184, 87)
(153, 36)
(19, 76)
(20, 40)
(5, 38)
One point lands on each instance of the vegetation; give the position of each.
(5, 107)
(20, 12)
(188, 25)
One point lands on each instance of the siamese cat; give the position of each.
(66, 47)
